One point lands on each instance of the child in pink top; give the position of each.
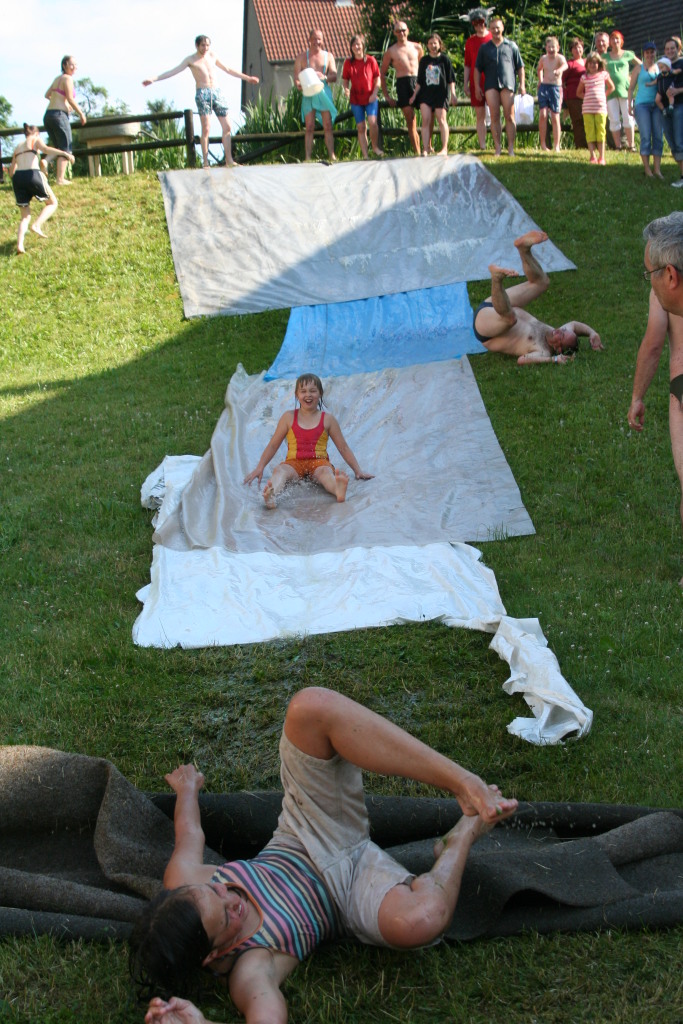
(594, 88)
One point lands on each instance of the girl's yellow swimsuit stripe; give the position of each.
(307, 449)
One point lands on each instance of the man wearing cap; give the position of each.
(664, 269)
(404, 57)
(477, 19)
(501, 62)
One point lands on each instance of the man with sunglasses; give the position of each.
(664, 270)
(404, 57)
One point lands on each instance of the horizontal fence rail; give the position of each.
(190, 141)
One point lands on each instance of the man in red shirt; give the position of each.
(477, 19)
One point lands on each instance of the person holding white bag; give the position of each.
(501, 62)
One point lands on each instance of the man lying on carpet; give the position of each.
(320, 876)
(502, 324)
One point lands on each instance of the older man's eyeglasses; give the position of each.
(655, 270)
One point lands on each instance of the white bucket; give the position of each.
(311, 85)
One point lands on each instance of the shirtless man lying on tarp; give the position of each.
(502, 324)
(320, 877)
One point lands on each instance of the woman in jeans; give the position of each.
(647, 114)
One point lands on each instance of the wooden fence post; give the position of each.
(189, 139)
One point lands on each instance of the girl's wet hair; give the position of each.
(30, 129)
(168, 946)
(310, 378)
(65, 61)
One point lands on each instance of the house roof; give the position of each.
(286, 24)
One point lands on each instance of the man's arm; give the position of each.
(168, 74)
(186, 865)
(236, 74)
(331, 73)
(647, 362)
(383, 71)
(584, 330)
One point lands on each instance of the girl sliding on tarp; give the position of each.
(306, 431)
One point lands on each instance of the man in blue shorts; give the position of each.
(501, 63)
(203, 64)
(551, 67)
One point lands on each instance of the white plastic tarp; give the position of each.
(440, 474)
(247, 239)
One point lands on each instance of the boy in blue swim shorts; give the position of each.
(203, 64)
(550, 68)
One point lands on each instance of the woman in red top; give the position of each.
(360, 78)
(306, 431)
(570, 81)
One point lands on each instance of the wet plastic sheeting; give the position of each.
(440, 474)
(369, 334)
(254, 238)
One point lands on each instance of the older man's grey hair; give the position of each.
(665, 239)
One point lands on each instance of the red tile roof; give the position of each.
(286, 24)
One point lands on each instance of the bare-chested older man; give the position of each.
(404, 57)
(664, 270)
(320, 106)
(502, 324)
(203, 64)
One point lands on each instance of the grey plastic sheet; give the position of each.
(440, 474)
(249, 239)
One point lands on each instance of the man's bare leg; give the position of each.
(226, 130)
(205, 121)
(323, 723)
(329, 134)
(507, 99)
(537, 280)
(493, 103)
(480, 113)
(411, 123)
(309, 124)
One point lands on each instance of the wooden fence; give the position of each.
(189, 141)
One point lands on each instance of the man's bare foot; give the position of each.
(36, 231)
(269, 496)
(530, 238)
(498, 273)
(342, 482)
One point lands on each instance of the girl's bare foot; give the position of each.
(530, 238)
(269, 496)
(36, 231)
(21, 252)
(342, 482)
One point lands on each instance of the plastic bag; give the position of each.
(524, 109)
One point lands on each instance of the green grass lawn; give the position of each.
(100, 377)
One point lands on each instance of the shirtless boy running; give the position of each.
(502, 324)
(404, 57)
(203, 66)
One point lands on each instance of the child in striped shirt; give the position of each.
(594, 88)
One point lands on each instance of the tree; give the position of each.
(5, 120)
